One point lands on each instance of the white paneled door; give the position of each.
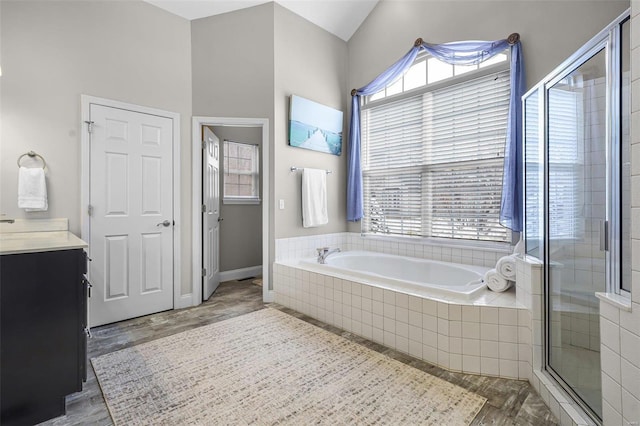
(131, 214)
(210, 212)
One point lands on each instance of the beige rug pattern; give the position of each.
(268, 367)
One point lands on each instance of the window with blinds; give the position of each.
(534, 176)
(433, 162)
(566, 164)
(241, 173)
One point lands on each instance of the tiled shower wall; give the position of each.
(578, 268)
(620, 323)
(301, 247)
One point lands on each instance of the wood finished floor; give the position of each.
(509, 402)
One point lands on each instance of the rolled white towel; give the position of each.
(496, 282)
(506, 267)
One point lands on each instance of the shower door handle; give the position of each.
(604, 235)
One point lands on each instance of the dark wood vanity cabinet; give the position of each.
(43, 346)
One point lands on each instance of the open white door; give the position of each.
(210, 213)
(130, 213)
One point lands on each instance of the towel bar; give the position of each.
(295, 169)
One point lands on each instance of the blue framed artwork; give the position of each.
(315, 126)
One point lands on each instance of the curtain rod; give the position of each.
(512, 39)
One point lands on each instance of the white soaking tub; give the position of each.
(405, 274)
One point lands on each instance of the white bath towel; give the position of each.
(32, 189)
(506, 267)
(314, 198)
(495, 282)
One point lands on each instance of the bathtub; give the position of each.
(421, 277)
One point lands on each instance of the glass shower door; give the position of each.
(576, 233)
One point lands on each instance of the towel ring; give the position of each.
(32, 154)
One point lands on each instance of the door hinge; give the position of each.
(89, 126)
(204, 272)
(90, 210)
(204, 145)
(204, 208)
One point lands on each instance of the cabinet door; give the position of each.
(39, 327)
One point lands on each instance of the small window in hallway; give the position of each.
(241, 173)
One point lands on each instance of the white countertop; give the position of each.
(37, 235)
(32, 242)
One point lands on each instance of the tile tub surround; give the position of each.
(481, 338)
(301, 247)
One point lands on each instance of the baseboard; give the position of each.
(238, 274)
(184, 301)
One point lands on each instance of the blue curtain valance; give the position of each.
(456, 53)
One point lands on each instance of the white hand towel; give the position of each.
(32, 189)
(506, 267)
(314, 198)
(495, 282)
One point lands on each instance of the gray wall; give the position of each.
(53, 51)
(232, 63)
(233, 70)
(241, 229)
(550, 31)
(246, 64)
(311, 63)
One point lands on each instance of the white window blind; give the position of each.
(241, 173)
(534, 175)
(432, 163)
(566, 164)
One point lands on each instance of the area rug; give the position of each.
(268, 368)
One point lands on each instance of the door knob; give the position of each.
(165, 223)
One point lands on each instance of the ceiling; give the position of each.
(339, 17)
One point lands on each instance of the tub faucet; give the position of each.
(324, 252)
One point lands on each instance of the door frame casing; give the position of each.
(196, 166)
(85, 175)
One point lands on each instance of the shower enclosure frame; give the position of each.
(609, 40)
